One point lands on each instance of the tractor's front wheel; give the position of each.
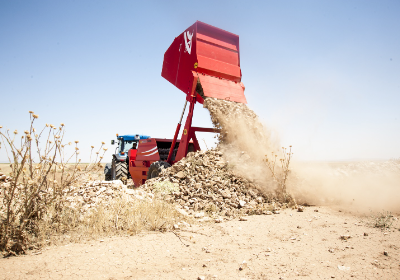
(155, 168)
(107, 172)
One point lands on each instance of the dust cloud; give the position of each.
(245, 141)
(360, 186)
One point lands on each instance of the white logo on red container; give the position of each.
(188, 41)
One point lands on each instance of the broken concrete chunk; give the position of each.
(242, 203)
(199, 215)
(180, 175)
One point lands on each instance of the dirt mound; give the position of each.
(90, 194)
(205, 181)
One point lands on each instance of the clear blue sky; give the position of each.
(325, 75)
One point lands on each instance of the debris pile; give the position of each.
(204, 181)
(232, 179)
(85, 195)
(92, 193)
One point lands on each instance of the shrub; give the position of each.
(383, 220)
(280, 173)
(40, 176)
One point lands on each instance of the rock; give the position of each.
(385, 253)
(206, 249)
(300, 209)
(242, 203)
(226, 194)
(243, 265)
(219, 220)
(259, 199)
(201, 278)
(181, 211)
(199, 215)
(345, 237)
(180, 175)
(343, 268)
(242, 219)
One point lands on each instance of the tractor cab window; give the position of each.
(126, 146)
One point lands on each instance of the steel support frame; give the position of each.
(188, 132)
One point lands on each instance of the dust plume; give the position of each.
(360, 186)
(245, 141)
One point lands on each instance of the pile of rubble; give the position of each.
(92, 193)
(205, 182)
(87, 194)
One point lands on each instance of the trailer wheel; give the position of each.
(155, 168)
(121, 171)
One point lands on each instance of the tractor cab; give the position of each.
(124, 144)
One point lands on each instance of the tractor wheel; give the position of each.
(155, 168)
(107, 172)
(121, 171)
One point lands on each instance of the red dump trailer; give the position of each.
(203, 61)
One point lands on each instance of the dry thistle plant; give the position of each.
(280, 173)
(383, 220)
(41, 175)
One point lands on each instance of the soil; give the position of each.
(319, 243)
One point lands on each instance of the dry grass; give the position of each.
(40, 176)
(120, 217)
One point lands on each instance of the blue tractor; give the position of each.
(118, 169)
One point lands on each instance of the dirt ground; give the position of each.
(289, 245)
